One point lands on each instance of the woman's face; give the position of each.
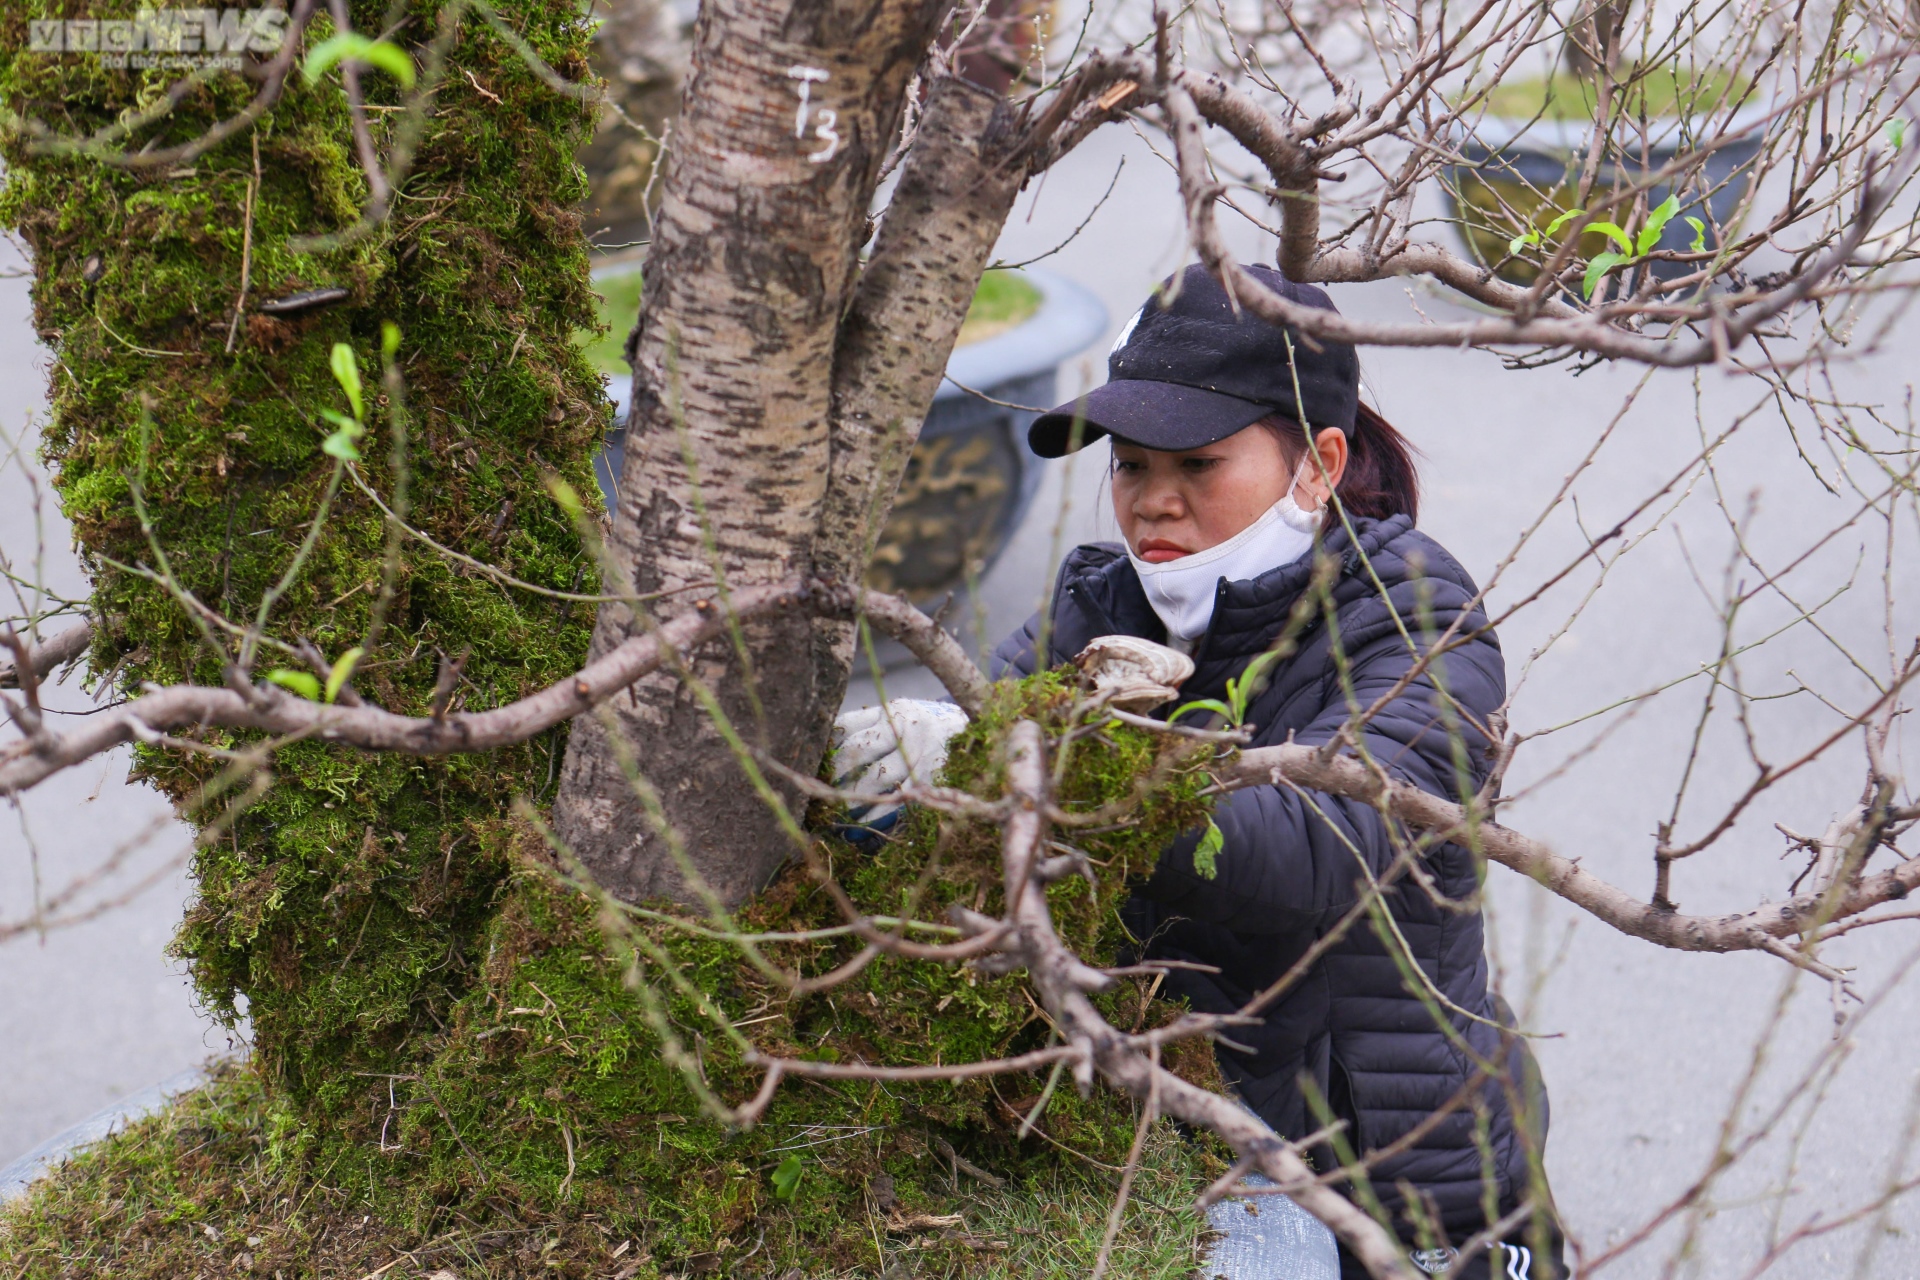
(1174, 504)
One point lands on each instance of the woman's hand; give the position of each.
(880, 749)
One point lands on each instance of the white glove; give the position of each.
(879, 749)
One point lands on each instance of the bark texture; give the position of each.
(791, 108)
(956, 188)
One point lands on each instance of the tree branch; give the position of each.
(49, 655)
(1061, 980)
(29, 762)
(1756, 930)
(271, 710)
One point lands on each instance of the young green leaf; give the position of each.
(1202, 704)
(346, 372)
(340, 445)
(1699, 244)
(389, 341)
(351, 45)
(323, 56)
(1896, 132)
(1564, 219)
(1615, 233)
(786, 1178)
(1657, 224)
(392, 59)
(1206, 854)
(1601, 264)
(342, 671)
(299, 681)
(1240, 692)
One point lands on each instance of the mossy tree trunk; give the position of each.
(386, 923)
(761, 399)
(344, 910)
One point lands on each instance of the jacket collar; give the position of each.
(1100, 594)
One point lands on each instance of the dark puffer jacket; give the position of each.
(1286, 875)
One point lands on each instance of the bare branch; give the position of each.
(49, 655)
(1754, 930)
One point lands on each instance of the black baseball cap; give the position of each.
(1189, 370)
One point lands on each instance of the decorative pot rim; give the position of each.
(1069, 318)
(1495, 134)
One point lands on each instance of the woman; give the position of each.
(1222, 495)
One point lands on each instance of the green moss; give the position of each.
(345, 912)
(547, 1099)
(1662, 92)
(449, 1043)
(196, 1190)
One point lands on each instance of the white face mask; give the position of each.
(1182, 591)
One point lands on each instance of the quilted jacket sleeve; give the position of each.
(1013, 658)
(1290, 858)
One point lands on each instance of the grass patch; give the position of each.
(1052, 1224)
(617, 303)
(1004, 300)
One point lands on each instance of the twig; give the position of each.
(447, 681)
(967, 1166)
(954, 1071)
(246, 248)
(49, 655)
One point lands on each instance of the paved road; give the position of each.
(96, 1011)
(1647, 1047)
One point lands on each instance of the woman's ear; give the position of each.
(1322, 475)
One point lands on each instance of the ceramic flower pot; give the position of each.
(1518, 173)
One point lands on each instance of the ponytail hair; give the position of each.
(1380, 479)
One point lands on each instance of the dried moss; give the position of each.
(446, 1044)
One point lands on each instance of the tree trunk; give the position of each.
(955, 191)
(346, 910)
(790, 112)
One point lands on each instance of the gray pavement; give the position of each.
(95, 1011)
(1648, 1048)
